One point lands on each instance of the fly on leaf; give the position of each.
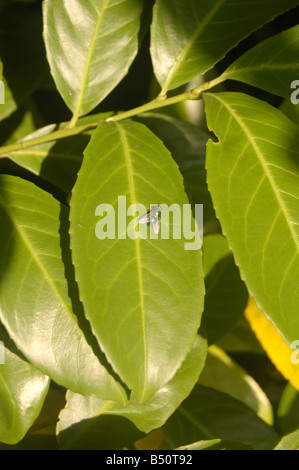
(153, 218)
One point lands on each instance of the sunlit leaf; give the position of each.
(271, 65)
(22, 391)
(142, 296)
(35, 306)
(90, 47)
(84, 418)
(253, 177)
(188, 39)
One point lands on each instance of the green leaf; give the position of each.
(289, 442)
(22, 54)
(226, 294)
(253, 177)
(143, 296)
(187, 40)
(271, 65)
(90, 47)
(201, 445)
(215, 444)
(22, 392)
(35, 306)
(86, 418)
(224, 374)
(210, 414)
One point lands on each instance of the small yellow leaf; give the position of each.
(285, 359)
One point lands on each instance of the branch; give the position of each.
(68, 131)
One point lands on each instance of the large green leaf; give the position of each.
(226, 294)
(86, 418)
(22, 53)
(271, 65)
(35, 306)
(143, 296)
(253, 177)
(22, 391)
(90, 46)
(210, 414)
(188, 39)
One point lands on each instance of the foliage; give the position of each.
(113, 337)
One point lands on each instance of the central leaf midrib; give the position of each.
(192, 40)
(259, 67)
(264, 166)
(87, 65)
(132, 191)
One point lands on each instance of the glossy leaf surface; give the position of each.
(90, 46)
(271, 65)
(86, 418)
(142, 296)
(22, 391)
(188, 39)
(35, 306)
(253, 177)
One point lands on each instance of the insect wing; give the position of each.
(156, 225)
(145, 219)
(153, 218)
